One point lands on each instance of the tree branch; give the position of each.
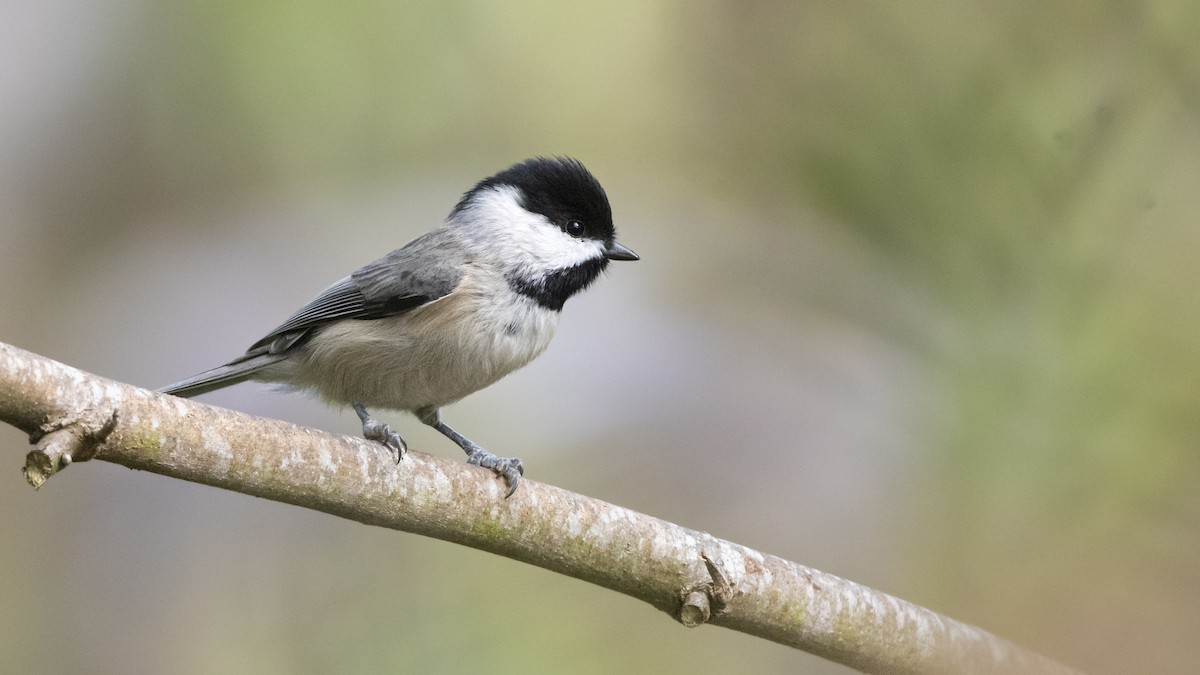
(73, 416)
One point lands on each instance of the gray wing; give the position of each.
(427, 268)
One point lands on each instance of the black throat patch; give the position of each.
(551, 290)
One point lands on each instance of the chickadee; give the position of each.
(451, 312)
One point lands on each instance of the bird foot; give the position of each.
(374, 430)
(508, 468)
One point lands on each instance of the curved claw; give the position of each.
(509, 468)
(374, 430)
(394, 442)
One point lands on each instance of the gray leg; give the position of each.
(508, 468)
(374, 430)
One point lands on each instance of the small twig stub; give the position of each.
(63, 441)
(707, 599)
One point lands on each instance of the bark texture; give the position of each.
(696, 578)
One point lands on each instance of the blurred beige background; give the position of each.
(917, 306)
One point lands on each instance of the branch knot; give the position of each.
(62, 441)
(702, 602)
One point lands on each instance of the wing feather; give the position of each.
(426, 269)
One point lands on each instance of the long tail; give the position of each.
(238, 370)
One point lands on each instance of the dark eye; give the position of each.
(574, 228)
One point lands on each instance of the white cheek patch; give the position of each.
(503, 228)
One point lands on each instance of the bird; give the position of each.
(447, 314)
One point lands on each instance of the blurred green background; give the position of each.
(917, 306)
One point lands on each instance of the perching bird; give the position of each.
(451, 312)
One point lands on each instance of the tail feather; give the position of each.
(223, 376)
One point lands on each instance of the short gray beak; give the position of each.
(617, 251)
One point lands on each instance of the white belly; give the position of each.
(429, 357)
